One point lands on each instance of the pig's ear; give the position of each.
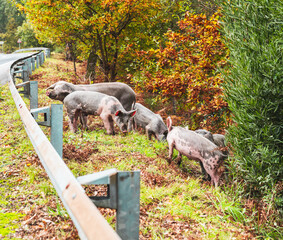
(118, 113)
(132, 113)
(51, 87)
(169, 123)
(66, 89)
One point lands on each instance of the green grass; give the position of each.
(175, 203)
(8, 223)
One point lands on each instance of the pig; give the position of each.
(151, 122)
(196, 147)
(83, 103)
(218, 139)
(121, 91)
(205, 133)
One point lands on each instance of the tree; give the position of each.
(27, 35)
(253, 89)
(185, 70)
(98, 28)
(10, 19)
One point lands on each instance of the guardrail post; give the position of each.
(33, 96)
(41, 57)
(37, 61)
(56, 137)
(53, 118)
(123, 194)
(128, 207)
(25, 75)
(32, 63)
(28, 63)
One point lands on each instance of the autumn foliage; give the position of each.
(96, 29)
(186, 70)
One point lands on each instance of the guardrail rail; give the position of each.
(123, 187)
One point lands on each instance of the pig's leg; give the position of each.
(212, 171)
(131, 124)
(75, 120)
(108, 123)
(179, 158)
(148, 132)
(72, 120)
(83, 119)
(71, 126)
(215, 176)
(171, 149)
(205, 174)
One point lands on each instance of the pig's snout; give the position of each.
(124, 129)
(51, 94)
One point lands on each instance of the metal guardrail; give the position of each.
(46, 50)
(123, 190)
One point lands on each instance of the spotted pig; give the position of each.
(196, 147)
(83, 103)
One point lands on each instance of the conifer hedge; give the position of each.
(254, 35)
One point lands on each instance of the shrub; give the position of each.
(184, 71)
(253, 89)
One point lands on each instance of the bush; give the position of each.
(184, 71)
(253, 89)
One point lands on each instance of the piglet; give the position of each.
(83, 103)
(195, 147)
(150, 121)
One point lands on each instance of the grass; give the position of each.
(175, 203)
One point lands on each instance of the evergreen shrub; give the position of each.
(253, 87)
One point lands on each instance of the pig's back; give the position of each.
(193, 139)
(143, 115)
(83, 99)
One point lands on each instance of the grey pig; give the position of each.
(83, 103)
(121, 91)
(195, 147)
(218, 139)
(150, 121)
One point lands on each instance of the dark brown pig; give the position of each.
(83, 103)
(150, 121)
(196, 147)
(121, 91)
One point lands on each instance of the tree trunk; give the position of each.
(91, 64)
(68, 53)
(113, 67)
(71, 54)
